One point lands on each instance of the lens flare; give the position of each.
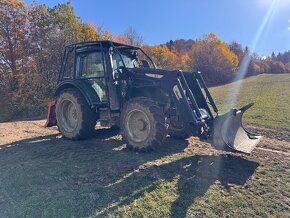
(235, 88)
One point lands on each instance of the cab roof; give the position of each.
(105, 43)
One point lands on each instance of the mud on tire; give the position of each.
(75, 119)
(142, 124)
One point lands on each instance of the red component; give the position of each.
(51, 118)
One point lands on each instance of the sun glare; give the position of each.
(234, 91)
(267, 3)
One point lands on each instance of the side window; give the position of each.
(117, 61)
(69, 65)
(90, 64)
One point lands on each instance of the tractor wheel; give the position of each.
(75, 119)
(142, 124)
(176, 129)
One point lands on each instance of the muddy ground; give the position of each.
(45, 175)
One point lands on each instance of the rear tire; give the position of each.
(142, 124)
(75, 119)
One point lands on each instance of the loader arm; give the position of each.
(193, 99)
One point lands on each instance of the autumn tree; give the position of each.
(180, 45)
(13, 46)
(162, 56)
(277, 67)
(132, 37)
(287, 67)
(213, 58)
(15, 62)
(119, 39)
(183, 62)
(238, 50)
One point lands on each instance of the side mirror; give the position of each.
(111, 50)
(116, 76)
(117, 73)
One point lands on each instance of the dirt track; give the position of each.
(36, 156)
(277, 141)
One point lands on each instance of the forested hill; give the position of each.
(181, 45)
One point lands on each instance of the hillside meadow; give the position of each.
(269, 92)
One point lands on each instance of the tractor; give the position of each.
(120, 86)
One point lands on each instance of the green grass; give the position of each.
(269, 92)
(213, 191)
(54, 177)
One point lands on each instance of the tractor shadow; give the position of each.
(51, 176)
(198, 173)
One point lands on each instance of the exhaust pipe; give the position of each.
(229, 131)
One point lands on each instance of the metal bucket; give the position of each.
(229, 131)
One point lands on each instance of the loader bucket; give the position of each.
(229, 131)
(51, 118)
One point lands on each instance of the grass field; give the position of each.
(269, 92)
(48, 176)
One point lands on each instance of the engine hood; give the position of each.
(152, 72)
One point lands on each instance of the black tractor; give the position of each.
(119, 85)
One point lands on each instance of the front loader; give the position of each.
(117, 84)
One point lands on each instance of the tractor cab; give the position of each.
(97, 65)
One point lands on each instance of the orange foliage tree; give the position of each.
(119, 39)
(162, 56)
(213, 58)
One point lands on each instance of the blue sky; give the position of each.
(263, 25)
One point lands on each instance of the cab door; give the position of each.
(113, 88)
(90, 67)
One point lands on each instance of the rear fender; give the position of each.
(88, 92)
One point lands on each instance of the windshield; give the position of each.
(131, 58)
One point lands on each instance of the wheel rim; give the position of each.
(69, 118)
(138, 125)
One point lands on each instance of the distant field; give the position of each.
(269, 92)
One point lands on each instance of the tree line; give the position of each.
(32, 39)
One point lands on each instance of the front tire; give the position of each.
(75, 119)
(178, 130)
(142, 124)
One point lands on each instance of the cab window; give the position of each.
(91, 64)
(69, 64)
